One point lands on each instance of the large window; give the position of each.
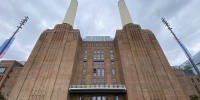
(98, 63)
(98, 97)
(98, 54)
(2, 70)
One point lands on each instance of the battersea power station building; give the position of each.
(63, 66)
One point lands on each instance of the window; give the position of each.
(98, 63)
(102, 56)
(103, 97)
(83, 71)
(85, 51)
(94, 98)
(111, 50)
(94, 81)
(95, 51)
(2, 70)
(114, 81)
(102, 72)
(85, 63)
(94, 72)
(98, 51)
(85, 56)
(81, 98)
(95, 56)
(113, 71)
(112, 63)
(98, 72)
(116, 98)
(102, 51)
(111, 56)
(98, 97)
(103, 81)
(98, 56)
(98, 81)
(83, 81)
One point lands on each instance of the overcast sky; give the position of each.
(101, 17)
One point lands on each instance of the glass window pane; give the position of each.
(103, 97)
(103, 81)
(94, 72)
(81, 98)
(113, 71)
(85, 51)
(112, 63)
(83, 71)
(98, 97)
(98, 63)
(85, 56)
(98, 81)
(102, 51)
(85, 63)
(111, 51)
(94, 81)
(93, 97)
(114, 81)
(111, 56)
(98, 72)
(102, 72)
(2, 70)
(116, 98)
(83, 81)
(102, 56)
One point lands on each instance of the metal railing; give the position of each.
(117, 87)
